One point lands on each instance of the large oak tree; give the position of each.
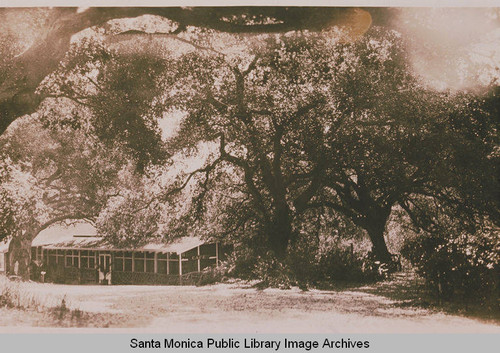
(302, 122)
(52, 175)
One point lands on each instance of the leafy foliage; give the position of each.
(127, 220)
(121, 97)
(457, 265)
(303, 125)
(273, 273)
(52, 175)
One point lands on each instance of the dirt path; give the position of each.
(236, 308)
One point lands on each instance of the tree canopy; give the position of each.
(298, 117)
(52, 30)
(51, 175)
(303, 124)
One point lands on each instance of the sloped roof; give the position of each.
(83, 235)
(62, 233)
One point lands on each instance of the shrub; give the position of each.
(303, 261)
(305, 265)
(241, 263)
(341, 264)
(273, 273)
(213, 275)
(457, 266)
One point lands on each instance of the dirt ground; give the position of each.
(239, 308)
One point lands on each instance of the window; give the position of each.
(118, 261)
(139, 262)
(150, 262)
(60, 256)
(36, 254)
(72, 258)
(84, 259)
(127, 258)
(52, 256)
(173, 264)
(87, 259)
(161, 261)
(144, 262)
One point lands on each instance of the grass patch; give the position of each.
(46, 310)
(15, 295)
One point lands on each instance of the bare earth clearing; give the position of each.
(238, 308)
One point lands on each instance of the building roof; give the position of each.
(4, 245)
(83, 235)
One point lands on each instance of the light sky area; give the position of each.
(453, 48)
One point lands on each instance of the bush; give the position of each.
(212, 275)
(273, 273)
(336, 265)
(457, 267)
(344, 265)
(241, 263)
(303, 261)
(304, 266)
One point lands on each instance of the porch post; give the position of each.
(217, 254)
(199, 261)
(180, 269)
(80, 266)
(180, 264)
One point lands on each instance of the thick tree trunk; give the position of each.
(280, 233)
(376, 229)
(20, 255)
(278, 242)
(20, 245)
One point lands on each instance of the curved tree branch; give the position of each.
(18, 91)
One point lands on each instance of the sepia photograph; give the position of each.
(250, 170)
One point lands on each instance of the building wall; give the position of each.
(6, 265)
(2, 262)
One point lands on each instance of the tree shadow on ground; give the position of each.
(408, 290)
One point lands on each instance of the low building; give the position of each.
(77, 255)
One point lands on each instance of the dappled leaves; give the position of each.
(121, 98)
